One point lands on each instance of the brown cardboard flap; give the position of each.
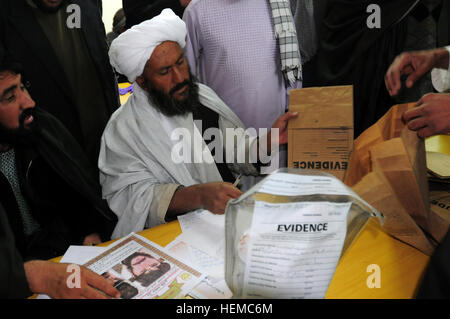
(321, 137)
(392, 159)
(388, 169)
(322, 107)
(388, 127)
(376, 190)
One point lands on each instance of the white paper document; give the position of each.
(285, 184)
(81, 254)
(141, 269)
(214, 285)
(203, 244)
(211, 265)
(291, 259)
(204, 231)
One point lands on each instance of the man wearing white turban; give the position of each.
(144, 184)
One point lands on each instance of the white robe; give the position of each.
(137, 174)
(441, 78)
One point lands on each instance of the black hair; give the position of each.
(9, 64)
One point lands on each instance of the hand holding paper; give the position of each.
(281, 124)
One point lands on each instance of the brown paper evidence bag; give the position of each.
(387, 167)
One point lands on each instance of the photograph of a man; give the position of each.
(145, 268)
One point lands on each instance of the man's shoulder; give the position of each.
(205, 92)
(120, 115)
(123, 120)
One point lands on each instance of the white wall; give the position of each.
(110, 8)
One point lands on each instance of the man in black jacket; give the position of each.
(21, 280)
(62, 46)
(352, 51)
(48, 188)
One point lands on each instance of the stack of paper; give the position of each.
(202, 243)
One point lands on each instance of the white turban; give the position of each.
(131, 50)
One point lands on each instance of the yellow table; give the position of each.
(401, 265)
(124, 98)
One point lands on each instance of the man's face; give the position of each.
(168, 71)
(141, 264)
(14, 100)
(49, 5)
(167, 80)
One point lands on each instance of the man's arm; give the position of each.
(52, 279)
(281, 125)
(431, 116)
(215, 196)
(20, 280)
(211, 196)
(12, 274)
(414, 65)
(440, 75)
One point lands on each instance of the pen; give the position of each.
(237, 181)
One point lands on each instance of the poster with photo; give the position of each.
(140, 269)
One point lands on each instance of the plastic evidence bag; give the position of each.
(285, 236)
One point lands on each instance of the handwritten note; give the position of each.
(294, 248)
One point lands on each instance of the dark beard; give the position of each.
(170, 107)
(21, 135)
(40, 4)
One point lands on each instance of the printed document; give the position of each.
(293, 248)
(141, 269)
(285, 184)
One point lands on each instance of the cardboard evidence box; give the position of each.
(321, 137)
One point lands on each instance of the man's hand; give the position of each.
(215, 196)
(414, 64)
(92, 239)
(281, 123)
(211, 196)
(431, 116)
(50, 278)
